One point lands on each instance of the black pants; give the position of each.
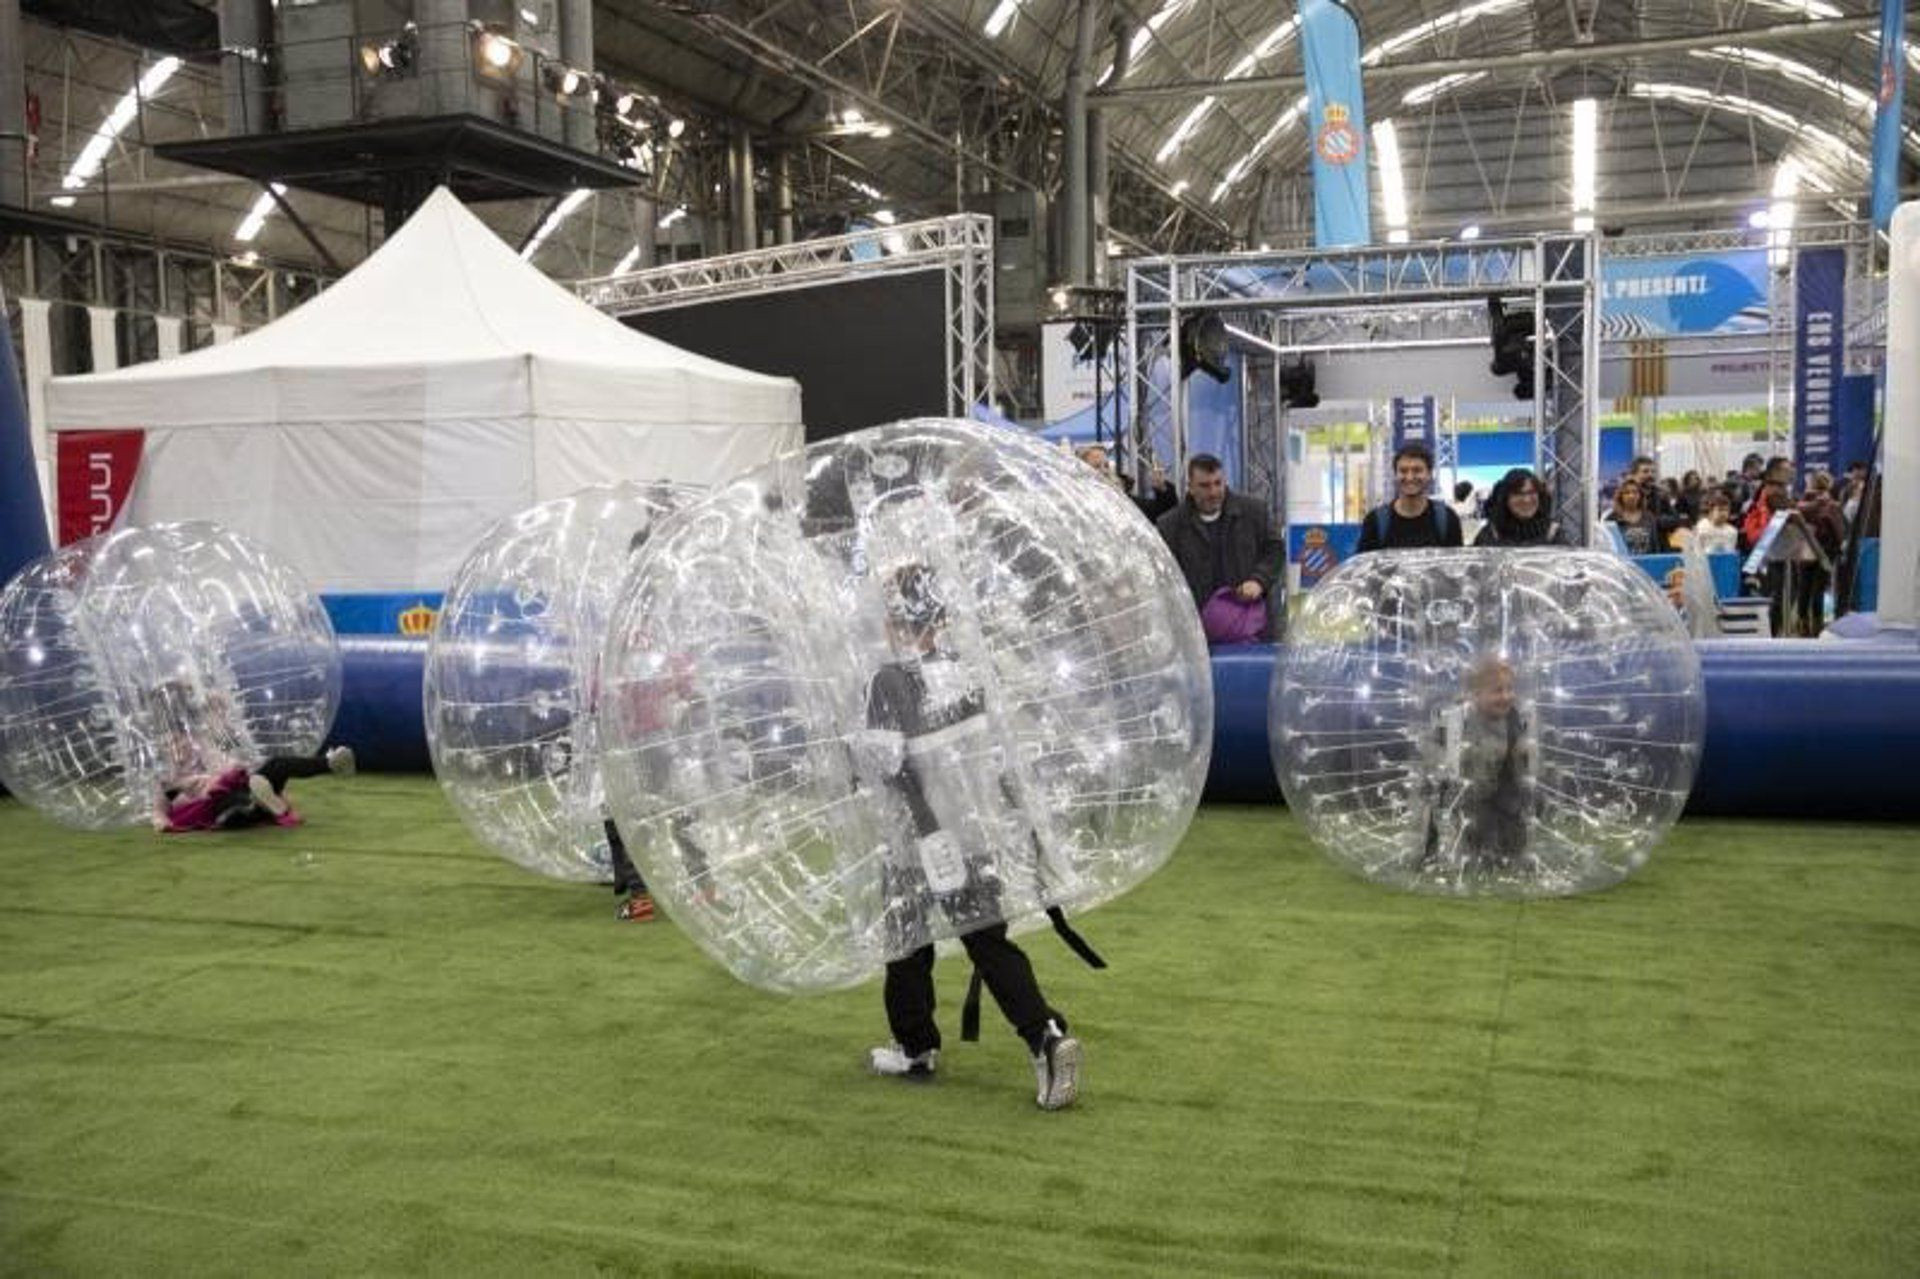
(237, 809)
(1006, 972)
(283, 768)
(626, 876)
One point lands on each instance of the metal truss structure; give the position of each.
(1379, 299)
(144, 283)
(960, 247)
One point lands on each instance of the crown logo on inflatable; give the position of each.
(1336, 113)
(418, 620)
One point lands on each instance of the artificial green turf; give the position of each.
(366, 1046)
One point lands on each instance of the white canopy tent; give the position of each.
(371, 435)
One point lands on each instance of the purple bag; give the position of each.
(1228, 619)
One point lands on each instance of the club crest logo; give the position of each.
(418, 620)
(1339, 141)
(1317, 556)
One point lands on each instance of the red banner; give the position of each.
(95, 475)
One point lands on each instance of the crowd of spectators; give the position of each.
(1232, 553)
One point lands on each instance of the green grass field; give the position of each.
(365, 1046)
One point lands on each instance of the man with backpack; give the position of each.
(1412, 519)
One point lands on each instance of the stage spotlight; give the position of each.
(1203, 346)
(676, 127)
(564, 81)
(395, 56)
(1512, 337)
(1296, 386)
(497, 53)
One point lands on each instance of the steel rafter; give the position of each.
(959, 246)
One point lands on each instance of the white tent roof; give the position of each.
(373, 435)
(443, 321)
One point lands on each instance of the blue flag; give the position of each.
(1336, 123)
(1820, 325)
(1886, 117)
(1413, 422)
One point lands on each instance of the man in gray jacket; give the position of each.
(1221, 539)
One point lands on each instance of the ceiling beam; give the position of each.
(1533, 60)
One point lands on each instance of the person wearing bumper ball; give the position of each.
(926, 718)
(1478, 824)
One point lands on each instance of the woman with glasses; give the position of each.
(1520, 513)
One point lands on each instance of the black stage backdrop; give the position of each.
(865, 352)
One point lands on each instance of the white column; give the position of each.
(37, 340)
(224, 333)
(1900, 509)
(167, 330)
(106, 344)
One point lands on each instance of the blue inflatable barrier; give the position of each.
(1809, 728)
(1800, 728)
(1241, 771)
(380, 715)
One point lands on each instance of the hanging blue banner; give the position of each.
(1673, 296)
(1819, 334)
(1415, 421)
(23, 515)
(1853, 440)
(1886, 115)
(1336, 124)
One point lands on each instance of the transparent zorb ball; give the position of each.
(1503, 722)
(916, 681)
(136, 658)
(513, 672)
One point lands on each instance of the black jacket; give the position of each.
(1241, 544)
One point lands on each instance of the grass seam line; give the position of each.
(1471, 1154)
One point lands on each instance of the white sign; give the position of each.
(1066, 379)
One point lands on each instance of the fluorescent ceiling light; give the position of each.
(561, 213)
(257, 216)
(1787, 176)
(1586, 152)
(673, 217)
(1002, 14)
(1471, 231)
(1583, 222)
(94, 154)
(1393, 187)
(626, 263)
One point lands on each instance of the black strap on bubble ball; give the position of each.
(970, 1010)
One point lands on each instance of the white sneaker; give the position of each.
(340, 760)
(262, 791)
(1056, 1069)
(892, 1059)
